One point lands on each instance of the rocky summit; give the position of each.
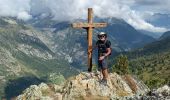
(88, 86)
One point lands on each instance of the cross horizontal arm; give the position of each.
(87, 25)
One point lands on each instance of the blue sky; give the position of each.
(134, 12)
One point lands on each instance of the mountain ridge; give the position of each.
(165, 35)
(52, 47)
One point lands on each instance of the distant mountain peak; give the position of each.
(165, 35)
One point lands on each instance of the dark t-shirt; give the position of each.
(102, 46)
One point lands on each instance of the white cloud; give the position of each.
(72, 9)
(15, 8)
(24, 16)
(138, 22)
(142, 25)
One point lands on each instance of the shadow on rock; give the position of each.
(15, 87)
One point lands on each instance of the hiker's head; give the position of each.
(102, 36)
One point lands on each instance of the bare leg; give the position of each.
(105, 74)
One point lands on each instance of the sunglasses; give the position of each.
(101, 36)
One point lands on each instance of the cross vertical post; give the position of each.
(89, 32)
(89, 27)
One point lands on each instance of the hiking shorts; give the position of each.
(102, 64)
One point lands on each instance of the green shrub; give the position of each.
(55, 78)
(122, 65)
(94, 68)
(155, 82)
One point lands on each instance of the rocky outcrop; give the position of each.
(117, 88)
(86, 86)
(165, 90)
(40, 92)
(162, 93)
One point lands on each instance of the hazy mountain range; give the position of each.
(42, 46)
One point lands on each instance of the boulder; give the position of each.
(165, 90)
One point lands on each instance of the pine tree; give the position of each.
(121, 65)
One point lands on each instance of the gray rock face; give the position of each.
(86, 86)
(40, 92)
(162, 93)
(117, 87)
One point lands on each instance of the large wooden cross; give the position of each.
(89, 27)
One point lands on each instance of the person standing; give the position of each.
(104, 50)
